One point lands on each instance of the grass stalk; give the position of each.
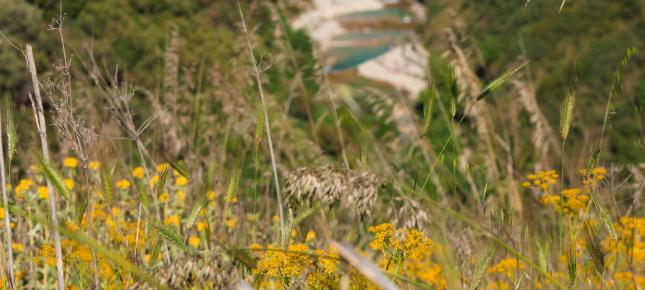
(39, 114)
(7, 216)
(256, 72)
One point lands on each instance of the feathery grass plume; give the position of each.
(196, 272)
(594, 247)
(194, 212)
(232, 186)
(483, 261)
(12, 136)
(566, 115)
(363, 192)
(603, 213)
(169, 235)
(410, 214)
(566, 110)
(599, 205)
(498, 82)
(322, 185)
(616, 88)
(428, 100)
(55, 178)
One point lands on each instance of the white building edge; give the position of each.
(403, 67)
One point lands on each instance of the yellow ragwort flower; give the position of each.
(171, 220)
(69, 183)
(70, 162)
(194, 241)
(138, 172)
(94, 165)
(123, 184)
(43, 192)
(181, 181)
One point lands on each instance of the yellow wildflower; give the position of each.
(211, 195)
(172, 220)
(138, 172)
(231, 223)
(94, 165)
(194, 241)
(163, 197)
(17, 247)
(154, 180)
(311, 235)
(201, 226)
(181, 195)
(123, 184)
(162, 167)
(70, 162)
(43, 193)
(69, 183)
(508, 267)
(181, 181)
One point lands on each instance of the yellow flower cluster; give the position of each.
(70, 162)
(627, 280)
(23, 185)
(282, 265)
(631, 240)
(508, 267)
(400, 243)
(541, 180)
(591, 179)
(407, 251)
(571, 201)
